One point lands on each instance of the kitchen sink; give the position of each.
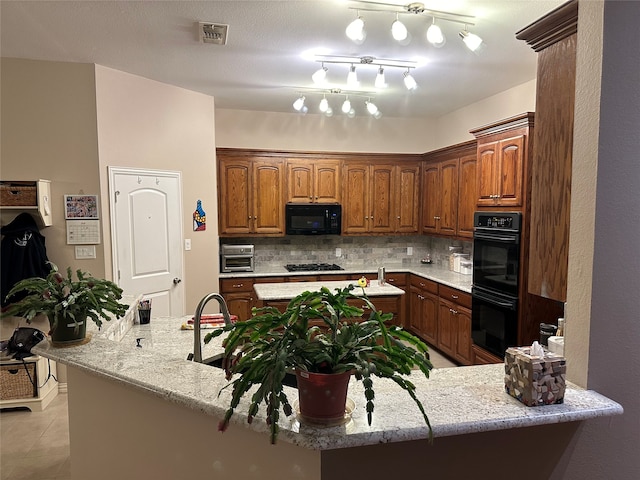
(216, 361)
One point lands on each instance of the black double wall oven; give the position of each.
(496, 273)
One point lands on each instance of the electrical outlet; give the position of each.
(409, 250)
(187, 244)
(338, 252)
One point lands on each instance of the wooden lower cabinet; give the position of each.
(482, 357)
(240, 295)
(441, 316)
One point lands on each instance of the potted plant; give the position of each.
(320, 333)
(67, 302)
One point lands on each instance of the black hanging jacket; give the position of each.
(23, 254)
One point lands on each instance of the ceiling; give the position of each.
(262, 66)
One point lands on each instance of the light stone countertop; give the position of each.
(458, 400)
(288, 290)
(429, 271)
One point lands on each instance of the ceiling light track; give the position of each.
(347, 105)
(357, 33)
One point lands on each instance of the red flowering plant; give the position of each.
(60, 296)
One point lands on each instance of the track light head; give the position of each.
(299, 103)
(471, 40)
(352, 78)
(355, 31)
(398, 30)
(434, 35)
(324, 105)
(346, 106)
(320, 75)
(409, 81)
(371, 107)
(380, 81)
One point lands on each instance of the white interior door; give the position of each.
(146, 231)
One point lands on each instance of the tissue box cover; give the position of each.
(534, 380)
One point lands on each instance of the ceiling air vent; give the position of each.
(215, 33)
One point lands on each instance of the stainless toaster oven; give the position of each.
(236, 258)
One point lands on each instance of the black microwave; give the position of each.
(313, 219)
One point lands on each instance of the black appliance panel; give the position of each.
(496, 252)
(494, 324)
(313, 219)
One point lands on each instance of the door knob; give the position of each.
(176, 280)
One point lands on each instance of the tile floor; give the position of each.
(35, 445)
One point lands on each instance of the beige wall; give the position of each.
(147, 124)
(66, 122)
(292, 131)
(49, 131)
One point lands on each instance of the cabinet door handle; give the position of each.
(238, 285)
(420, 297)
(455, 297)
(453, 311)
(398, 217)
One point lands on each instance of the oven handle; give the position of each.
(515, 239)
(494, 300)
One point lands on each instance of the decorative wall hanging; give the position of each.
(199, 218)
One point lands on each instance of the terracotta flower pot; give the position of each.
(69, 332)
(322, 397)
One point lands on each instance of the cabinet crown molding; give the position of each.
(553, 27)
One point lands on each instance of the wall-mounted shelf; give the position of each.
(27, 196)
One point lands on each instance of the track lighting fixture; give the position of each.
(320, 75)
(471, 40)
(398, 30)
(299, 103)
(356, 62)
(347, 105)
(355, 30)
(409, 81)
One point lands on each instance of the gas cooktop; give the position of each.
(312, 267)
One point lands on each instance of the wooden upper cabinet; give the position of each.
(440, 197)
(466, 195)
(381, 200)
(250, 196)
(500, 170)
(554, 37)
(407, 198)
(381, 197)
(310, 181)
(234, 196)
(268, 205)
(503, 158)
(355, 208)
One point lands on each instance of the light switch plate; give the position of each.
(187, 244)
(338, 252)
(409, 250)
(85, 252)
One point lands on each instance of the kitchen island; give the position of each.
(147, 412)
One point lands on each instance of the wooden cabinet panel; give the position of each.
(327, 182)
(250, 196)
(500, 172)
(447, 328)
(268, 205)
(381, 199)
(482, 357)
(466, 195)
(240, 304)
(463, 351)
(407, 196)
(355, 212)
(455, 296)
(430, 197)
(440, 197)
(233, 285)
(448, 217)
(313, 181)
(234, 196)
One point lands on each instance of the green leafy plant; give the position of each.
(59, 296)
(318, 332)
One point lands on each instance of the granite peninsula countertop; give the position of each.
(429, 271)
(288, 290)
(458, 401)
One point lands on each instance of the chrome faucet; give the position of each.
(197, 345)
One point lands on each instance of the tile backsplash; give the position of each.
(354, 250)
